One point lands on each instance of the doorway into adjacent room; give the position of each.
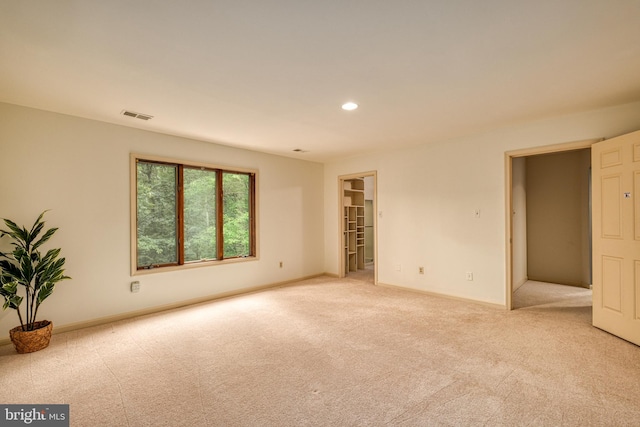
(549, 214)
(613, 208)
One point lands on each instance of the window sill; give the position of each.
(192, 265)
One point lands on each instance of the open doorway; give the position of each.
(548, 224)
(358, 226)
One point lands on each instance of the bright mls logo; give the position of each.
(34, 415)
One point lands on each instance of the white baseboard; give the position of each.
(438, 294)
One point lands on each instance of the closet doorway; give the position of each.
(358, 225)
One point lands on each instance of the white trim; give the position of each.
(441, 295)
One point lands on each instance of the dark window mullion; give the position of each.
(219, 215)
(252, 214)
(180, 214)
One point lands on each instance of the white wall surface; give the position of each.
(369, 190)
(79, 169)
(427, 196)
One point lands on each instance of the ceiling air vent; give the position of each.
(136, 115)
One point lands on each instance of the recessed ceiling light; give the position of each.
(349, 106)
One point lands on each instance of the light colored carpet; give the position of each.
(542, 295)
(363, 275)
(330, 352)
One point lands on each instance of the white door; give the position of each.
(616, 236)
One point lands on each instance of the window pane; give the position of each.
(199, 214)
(236, 201)
(156, 214)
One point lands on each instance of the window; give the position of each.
(190, 214)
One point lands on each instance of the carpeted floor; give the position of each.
(363, 275)
(542, 296)
(329, 352)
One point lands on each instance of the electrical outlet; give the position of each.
(398, 267)
(421, 270)
(135, 287)
(477, 213)
(469, 276)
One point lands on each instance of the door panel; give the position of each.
(611, 209)
(616, 236)
(612, 276)
(611, 158)
(637, 290)
(636, 201)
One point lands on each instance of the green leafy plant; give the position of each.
(26, 268)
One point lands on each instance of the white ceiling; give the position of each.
(271, 75)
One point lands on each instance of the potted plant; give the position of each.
(28, 275)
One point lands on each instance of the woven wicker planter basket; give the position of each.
(30, 341)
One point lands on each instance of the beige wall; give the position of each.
(79, 169)
(428, 194)
(558, 217)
